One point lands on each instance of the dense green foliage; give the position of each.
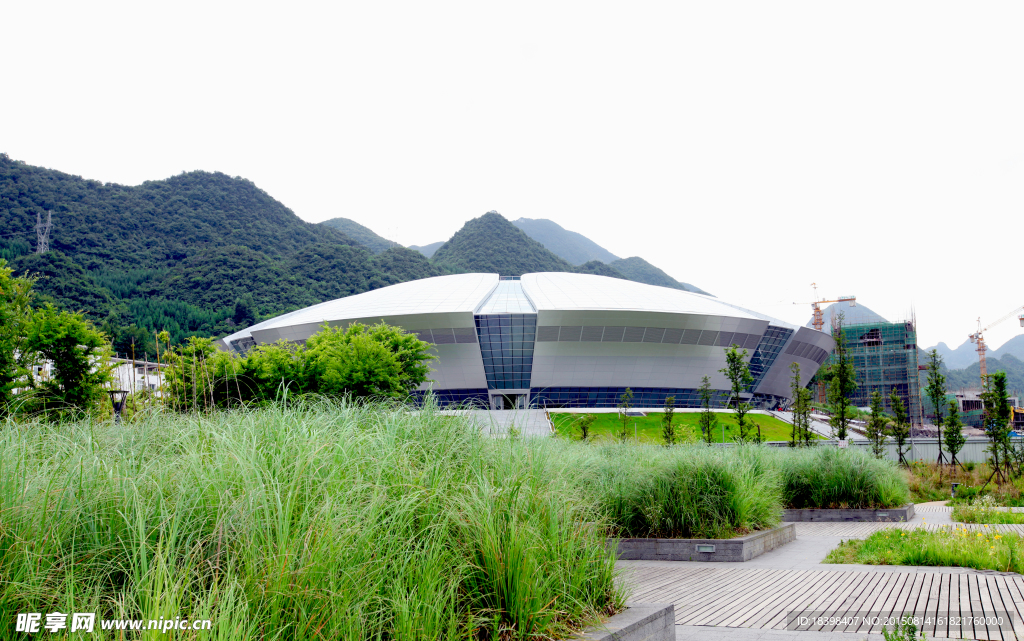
(177, 254)
(362, 235)
(78, 354)
(567, 245)
(970, 377)
(325, 521)
(15, 316)
(828, 477)
(638, 269)
(492, 244)
(377, 361)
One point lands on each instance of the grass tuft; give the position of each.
(318, 521)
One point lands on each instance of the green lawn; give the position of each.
(988, 550)
(648, 428)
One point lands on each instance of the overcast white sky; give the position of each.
(876, 148)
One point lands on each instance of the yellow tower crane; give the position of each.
(819, 321)
(978, 338)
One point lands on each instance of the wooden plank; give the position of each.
(783, 599)
(872, 608)
(854, 604)
(932, 607)
(967, 629)
(893, 605)
(820, 601)
(721, 594)
(988, 608)
(854, 581)
(942, 613)
(821, 582)
(953, 607)
(744, 601)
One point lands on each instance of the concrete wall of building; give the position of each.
(594, 361)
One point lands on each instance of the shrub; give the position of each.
(684, 492)
(826, 477)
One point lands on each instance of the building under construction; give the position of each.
(884, 357)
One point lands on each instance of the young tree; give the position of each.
(795, 437)
(900, 426)
(15, 313)
(843, 383)
(668, 430)
(877, 424)
(708, 421)
(583, 424)
(996, 421)
(954, 434)
(625, 403)
(79, 355)
(738, 373)
(936, 393)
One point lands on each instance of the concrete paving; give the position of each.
(497, 422)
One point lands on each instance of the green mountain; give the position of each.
(568, 245)
(362, 235)
(491, 243)
(638, 269)
(177, 254)
(427, 250)
(970, 376)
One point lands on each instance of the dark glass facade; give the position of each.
(446, 397)
(506, 344)
(767, 350)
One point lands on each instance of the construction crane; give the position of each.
(819, 321)
(978, 338)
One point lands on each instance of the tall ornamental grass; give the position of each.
(827, 477)
(326, 521)
(684, 492)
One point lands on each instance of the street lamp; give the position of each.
(117, 397)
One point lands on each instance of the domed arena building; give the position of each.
(557, 339)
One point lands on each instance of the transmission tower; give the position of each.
(43, 233)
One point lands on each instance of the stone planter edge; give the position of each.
(638, 622)
(825, 515)
(738, 549)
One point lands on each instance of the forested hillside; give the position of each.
(568, 245)
(638, 269)
(179, 254)
(362, 235)
(491, 243)
(970, 376)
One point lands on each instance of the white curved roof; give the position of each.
(483, 294)
(440, 294)
(561, 291)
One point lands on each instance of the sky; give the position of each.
(749, 148)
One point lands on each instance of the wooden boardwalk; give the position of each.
(953, 605)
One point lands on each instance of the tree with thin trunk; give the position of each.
(842, 383)
(936, 393)
(996, 420)
(900, 426)
(877, 426)
(625, 404)
(668, 430)
(794, 433)
(738, 373)
(954, 434)
(708, 421)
